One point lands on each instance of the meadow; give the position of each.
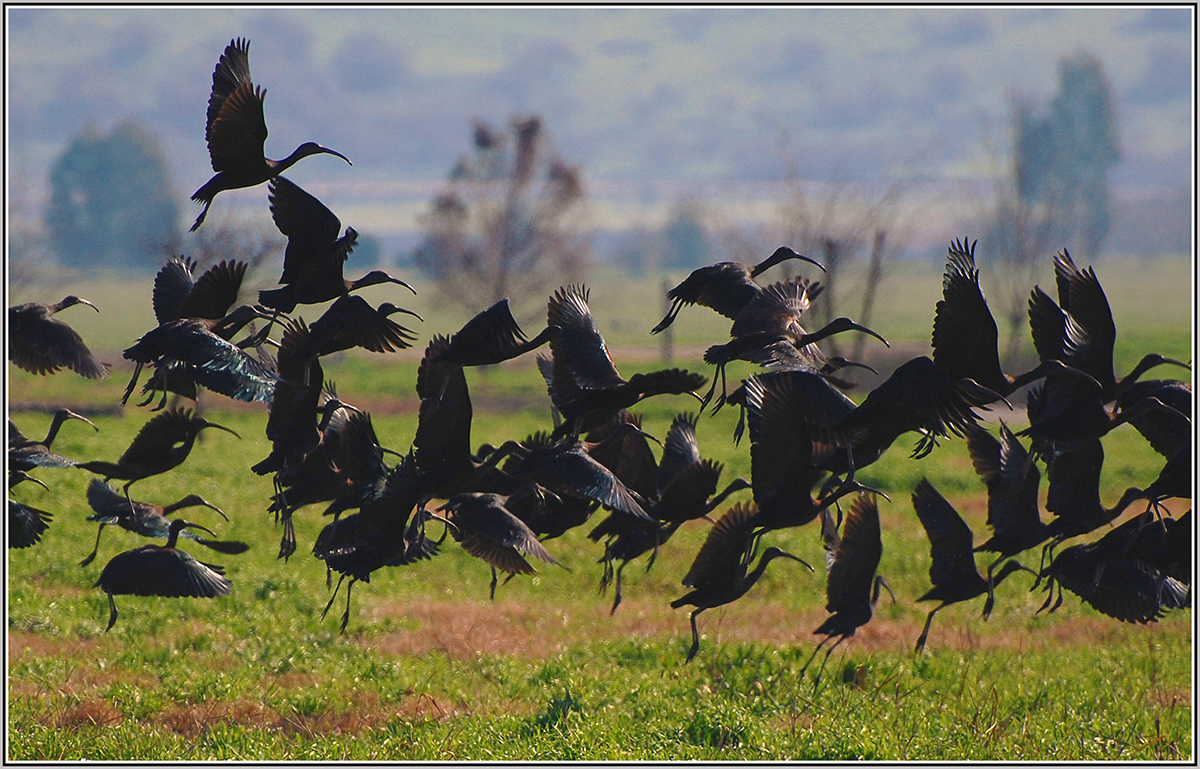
(430, 670)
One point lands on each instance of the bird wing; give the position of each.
(630, 458)
(964, 331)
(950, 540)
(1073, 474)
(777, 307)
(172, 285)
(491, 336)
(780, 443)
(505, 559)
(443, 437)
(237, 135)
(578, 346)
(43, 345)
(352, 322)
(726, 288)
(569, 467)
(232, 70)
(26, 524)
(359, 454)
(857, 557)
(214, 292)
(688, 492)
(720, 557)
(158, 436)
(307, 223)
(160, 571)
(680, 450)
(486, 516)
(1047, 325)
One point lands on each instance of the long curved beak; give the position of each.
(387, 308)
(72, 415)
(206, 423)
(89, 304)
(399, 282)
(190, 525)
(211, 506)
(328, 151)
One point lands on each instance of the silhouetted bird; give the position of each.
(493, 336)
(586, 387)
(24, 453)
(952, 571)
(1125, 589)
(201, 348)
(26, 524)
(162, 444)
(147, 519)
(719, 573)
(162, 571)
(485, 528)
(852, 587)
(964, 332)
(726, 287)
(236, 131)
(315, 255)
(42, 344)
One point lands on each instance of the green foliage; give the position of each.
(112, 202)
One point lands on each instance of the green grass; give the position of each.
(429, 669)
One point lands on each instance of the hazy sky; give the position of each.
(693, 95)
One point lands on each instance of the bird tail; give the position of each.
(228, 548)
(107, 469)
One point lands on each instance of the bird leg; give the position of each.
(95, 550)
(137, 372)
(492, 592)
(112, 613)
(695, 636)
(925, 632)
(617, 597)
(814, 654)
(817, 682)
(287, 544)
(346, 616)
(335, 592)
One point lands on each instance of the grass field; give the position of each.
(430, 669)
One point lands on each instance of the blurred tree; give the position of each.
(111, 200)
(687, 242)
(510, 223)
(1056, 192)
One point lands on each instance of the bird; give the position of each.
(852, 587)
(783, 472)
(726, 287)
(1126, 589)
(586, 384)
(965, 337)
(770, 321)
(719, 575)
(24, 453)
(485, 528)
(42, 344)
(162, 444)
(490, 337)
(1012, 480)
(352, 322)
(380, 533)
(315, 256)
(952, 572)
(26, 524)
(236, 131)
(147, 519)
(161, 571)
(201, 348)
(177, 295)
(1089, 333)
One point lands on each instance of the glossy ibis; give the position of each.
(952, 572)
(726, 287)
(201, 347)
(852, 588)
(26, 524)
(965, 338)
(485, 528)
(1124, 589)
(161, 571)
(236, 131)
(585, 383)
(24, 454)
(719, 573)
(162, 444)
(315, 256)
(147, 519)
(42, 344)
(492, 336)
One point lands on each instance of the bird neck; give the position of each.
(55, 425)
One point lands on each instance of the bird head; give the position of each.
(312, 148)
(180, 524)
(387, 308)
(194, 500)
(72, 300)
(199, 424)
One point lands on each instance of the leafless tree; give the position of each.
(511, 222)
